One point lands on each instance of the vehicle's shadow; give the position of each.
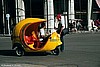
(12, 53)
(7, 52)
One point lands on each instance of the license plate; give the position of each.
(53, 40)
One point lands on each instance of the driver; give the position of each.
(42, 31)
(43, 35)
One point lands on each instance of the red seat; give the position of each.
(32, 39)
(28, 39)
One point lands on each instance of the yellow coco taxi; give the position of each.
(25, 38)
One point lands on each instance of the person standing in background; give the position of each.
(60, 28)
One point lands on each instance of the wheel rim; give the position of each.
(19, 52)
(56, 51)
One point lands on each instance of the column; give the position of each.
(89, 14)
(71, 10)
(3, 16)
(20, 10)
(49, 14)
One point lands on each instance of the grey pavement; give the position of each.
(81, 50)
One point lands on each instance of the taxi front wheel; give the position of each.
(55, 51)
(19, 51)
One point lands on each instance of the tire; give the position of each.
(56, 51)
(19, 51)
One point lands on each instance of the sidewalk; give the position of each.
(6, 35)
(83, 32)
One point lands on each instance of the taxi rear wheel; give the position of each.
(19, 51)
(56, 51)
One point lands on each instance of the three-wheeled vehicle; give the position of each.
(25, 38)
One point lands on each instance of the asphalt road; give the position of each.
(81, 50)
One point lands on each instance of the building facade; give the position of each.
(12, 11)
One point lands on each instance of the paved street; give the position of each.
(81, 50)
